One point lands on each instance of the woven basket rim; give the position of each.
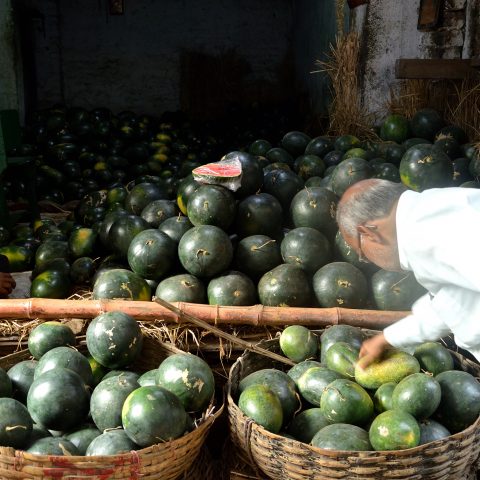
(469, 431)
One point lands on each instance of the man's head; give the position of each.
(366, 219)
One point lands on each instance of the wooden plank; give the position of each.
(433, 68)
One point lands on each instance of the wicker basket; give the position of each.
(165, 461)
(450, 458)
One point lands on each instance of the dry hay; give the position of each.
(347, 113)
(457, 100)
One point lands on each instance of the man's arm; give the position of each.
(7, 284)
(423, 325)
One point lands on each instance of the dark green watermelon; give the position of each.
(123, 230)
(430, 431)
(81, 242)
(21, 377)
(252, 173)
(418, 394)
(232, 288)
(343, 437)
(394, 430)
(279, 155)
(121, 283)
(175, 227)
(433, 358)
(65, 357)
(460, 400)
(280, 383)
(452, 131)
(426, 123)
(395, 128)
(49, 335)
(340, 333)
(151, 254)
(114, 339)
(143, 194)
(82, 437)
(283, 185)
(333, 158)
(424, 166)
(449, 146)
(256, 255)
(344, 401)
(58, 399)
(259, 214)
(152, 415)
(346, 142)
(48, 251)
(319, 146)
(182, 288)
(382, 399)
(285, 286)
(261, 404)
(53, 446)
(112, 442)
(185, 189)
(295, 142)
(315, 208)
(15, 424)
(211, 205)
(461, 172)
(342, 357)
(190, 378)
(313, 382)
(348, 172)
(82, 270)
(148, 378)
(205, 251)
(51, 284)
(386, 171)
(306, 424)
(300, 368)
(158, 211)
(309, 166)
(106, 225)
(259, 147)
(298, 343)
(395, 290)
(306, 248)
(107, 401)
(19, 257)
(340, 284)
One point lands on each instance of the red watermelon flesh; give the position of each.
(227, 174)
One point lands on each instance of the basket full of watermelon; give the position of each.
(406, 416)
(122, 406)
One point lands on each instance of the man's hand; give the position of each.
(7, 284)
(371, 350)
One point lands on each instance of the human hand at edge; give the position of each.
(372, 349)
(7, 283)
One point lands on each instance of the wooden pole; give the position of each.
(257, 315)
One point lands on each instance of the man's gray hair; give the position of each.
(371, 203)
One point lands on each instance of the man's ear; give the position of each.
(371, 232)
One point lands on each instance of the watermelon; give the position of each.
(190, 378)
(393, 367)
(21, 378)
(49, 335)
(252, 174)
(19, 257)
(148, 378)
(340, 284)
(418, 394)
(259, 147)
(433, 358)
(58, 399)
(430, 431)
(51, 284)
(143, 194)
(426, 123)
(185, 188)
(280, 156)
(313, 382)
(344, 401)
(205, 251)
(306, 424)
(340, 333)
(113, 442)
(342, 357)
(319, 146)
(346, 142)
(15, 424)
(211, 205)
(65, 357)
(48, 251)
(460, 400)
(283, 185)
(123, 230)
(152, 415)
(262, 404)
(182, 288)
(348, 172)
(231, 288)
(82, 270)
(114, 339)
(107, 401)
(53, 446)
(425, 166)
(382, 399)
(82, 437)
(295, 142)
(175, 227)
(342, 436)
(81, 242)
(300, 368)
(309, 166)
(285, 285)
(121, 283)
(219, 173)
(158, 211)
(394, 430)
(298, 343)
(280, 383)
(395, 128)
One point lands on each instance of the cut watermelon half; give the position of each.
(225, 173)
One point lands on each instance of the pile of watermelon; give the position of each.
(327, 401)
(272, 241)
(64, 402)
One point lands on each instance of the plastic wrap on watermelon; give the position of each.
(227, 173)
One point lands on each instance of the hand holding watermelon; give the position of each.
(372, 349)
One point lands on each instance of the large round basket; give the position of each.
(166, 461)
(279, 457)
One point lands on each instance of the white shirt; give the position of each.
(438, 234)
